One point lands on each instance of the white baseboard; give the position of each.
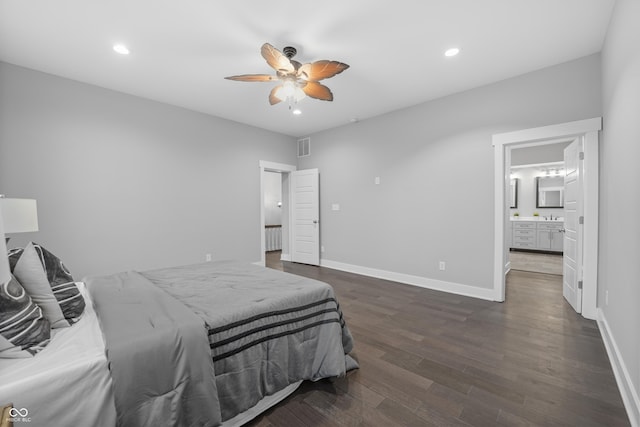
(625, 384)
(423, 282)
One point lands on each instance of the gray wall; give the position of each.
(538, 154)
(619, 269)
(435, 163)
(123, 182)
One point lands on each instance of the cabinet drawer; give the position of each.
(520, 225)
(524, 232)
(550, 226)
(524, 239)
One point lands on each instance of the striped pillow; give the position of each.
(24, 331)
(62, 284)
(33, 278)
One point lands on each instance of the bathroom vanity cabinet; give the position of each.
(542, 235)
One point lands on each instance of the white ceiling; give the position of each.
(182, 50)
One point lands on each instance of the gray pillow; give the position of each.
(24, 330)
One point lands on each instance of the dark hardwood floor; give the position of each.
(432, 358)
(272, 260)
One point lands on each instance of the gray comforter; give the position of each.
(257, 330)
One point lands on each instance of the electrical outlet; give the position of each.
(321, 248)
(606, 297)
(207, 257)
(442, 265)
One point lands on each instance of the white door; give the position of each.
(572, 247)
(305, 204)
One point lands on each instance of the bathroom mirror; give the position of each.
(514, 193)
(549, 192)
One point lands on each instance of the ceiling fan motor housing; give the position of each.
(289, 51)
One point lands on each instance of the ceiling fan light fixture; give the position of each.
(289, 91)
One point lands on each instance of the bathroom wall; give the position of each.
(527, 194)
(536, 155)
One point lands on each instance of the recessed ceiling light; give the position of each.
(297, 112)
(452, 52)
(121, 49)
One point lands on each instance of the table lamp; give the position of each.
(20, 215)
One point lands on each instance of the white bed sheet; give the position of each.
(68, 382)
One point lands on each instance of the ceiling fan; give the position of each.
(296, 80)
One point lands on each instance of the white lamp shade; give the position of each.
(5, 274)
(20, 215)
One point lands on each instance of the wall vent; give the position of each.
(304, 147)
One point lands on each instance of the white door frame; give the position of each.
(503, 143)
(266, 166)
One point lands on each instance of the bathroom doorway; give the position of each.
(537, 199)
(581, 222)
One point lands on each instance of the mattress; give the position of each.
(67, 383)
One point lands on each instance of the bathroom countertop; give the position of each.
(536, 218)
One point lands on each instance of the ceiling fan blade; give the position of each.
(276, 59)
(253, 78)
(319, 70)
(318, 91)
(273, 99)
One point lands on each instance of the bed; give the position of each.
(209, 344)
(68, 382)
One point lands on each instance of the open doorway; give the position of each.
(536, 209)
(586, 132)
(273, 215)
(275, 208)
(300, 210)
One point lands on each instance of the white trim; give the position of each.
(423, 282)
(590, 229)
(267, 166)
(625, 384)
(285, 257)
(503, 143)
(551, 132)
(276, 167)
